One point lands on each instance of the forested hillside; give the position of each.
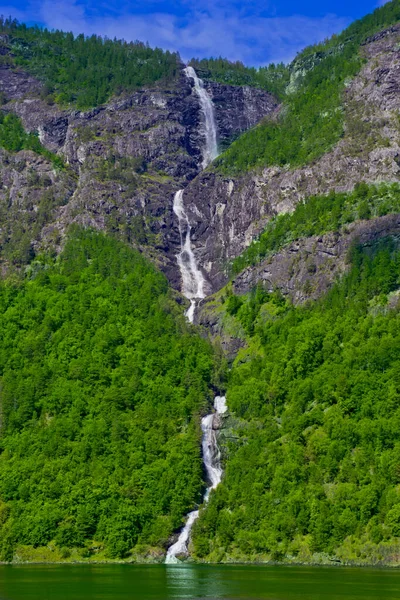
(274, 78)
(83, 70)
(313, 447)
(312, 118)
(103, 382)
(102, 388)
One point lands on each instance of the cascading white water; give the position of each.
(193, 282)
(192, 278)
(193, 287)
(212, 463)
(210, 150)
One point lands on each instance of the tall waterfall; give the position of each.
(210, 150)
(193, 287)
(212, 463)
(193, 282)
(192, 278)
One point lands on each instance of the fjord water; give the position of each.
(163, 582)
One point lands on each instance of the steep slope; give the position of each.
(102, 388)
(229, 210)
(312, 446)
(103, 384)
(128, 155)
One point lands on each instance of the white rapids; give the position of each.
(193, 282)
(210, 150)
(212, 463)
(193, 287)
(192, 278)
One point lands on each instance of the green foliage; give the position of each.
(312, 118)
(316, 457)
(102, 385)
(273, 78)
(83, 70)
(318, 215)
(14, 138)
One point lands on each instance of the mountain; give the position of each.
(294, 231)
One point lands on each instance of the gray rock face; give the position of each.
(238, 108)
(31, 194)
(307, 268)
(152, 137)
(227, 213)
(15, 84)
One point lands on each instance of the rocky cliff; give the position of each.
(228, 212)
(126, 159)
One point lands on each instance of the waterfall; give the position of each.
(193, 282)
(212, 464)
(192, 278)
(210, 150)
(193, 287)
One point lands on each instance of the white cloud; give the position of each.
(229, 28)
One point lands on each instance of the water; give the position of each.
(193, 282)
(216, 582)
(210, 150)
(212, 464)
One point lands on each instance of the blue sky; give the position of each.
(254, 31)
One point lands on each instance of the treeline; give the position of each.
(318, 215)
(314, 456)
(102, 386)
(85, 70)
(273, 78)
(312, 119)
(14, 138)
(359, 30)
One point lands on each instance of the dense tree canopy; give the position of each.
(85, 70)
(314, 452)
(102, 388)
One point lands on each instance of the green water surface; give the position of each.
(125, 582)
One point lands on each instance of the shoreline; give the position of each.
(189, 563)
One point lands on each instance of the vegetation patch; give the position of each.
(103, 385)
(273, 78)
(14, 138)
(312, 117)
(85, 70)
(315, 471)
(318, 215)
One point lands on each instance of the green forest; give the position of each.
(103, 382)
(312, 118)
(314, 447)
(14, 138)
(102, 388)
(318, 215)
(82, 70)
(274, 77)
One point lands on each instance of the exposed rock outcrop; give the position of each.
(238, 108)
(227, 213)
(153, 140)
(306, 269)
